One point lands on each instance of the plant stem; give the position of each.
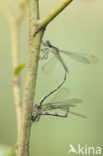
(30, 82)
(16, 79)
(15, 61)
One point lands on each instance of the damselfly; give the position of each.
(47, 108)
(48, 47)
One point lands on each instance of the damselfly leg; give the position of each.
(45, 54)
(56, 114)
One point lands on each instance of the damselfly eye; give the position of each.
(48, 43)
(37, 106)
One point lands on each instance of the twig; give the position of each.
(46, 20)
(15, 60)
(16, 79)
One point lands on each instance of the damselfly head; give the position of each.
(36, 106)
(47, 43)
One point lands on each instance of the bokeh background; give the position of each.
(78, 28)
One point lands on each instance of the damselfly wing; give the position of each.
(49, 66)
(80, 57)
(61, 94)
(63, 105)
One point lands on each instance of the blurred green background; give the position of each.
(78, 28)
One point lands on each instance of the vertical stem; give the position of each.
(16, 79)
(15, 59)
(30, 82)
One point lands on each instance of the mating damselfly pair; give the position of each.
(47, 108)
(43, 108)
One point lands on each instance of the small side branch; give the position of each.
(46, 20)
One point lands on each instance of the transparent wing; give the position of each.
(61, 94)
(81, 57)
(68, 102)
(77, 114)
(49, 65)
(64, 105)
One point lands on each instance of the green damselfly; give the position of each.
(80, 57)
(64, 105)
